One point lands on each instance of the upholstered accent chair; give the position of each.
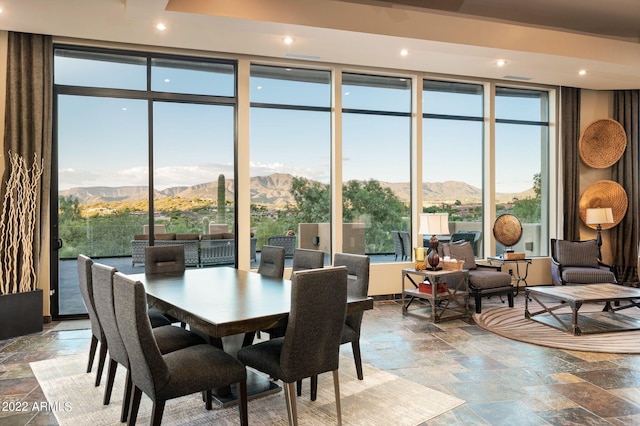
(484, 280)
(97, 334)
(198, 368)
(576, 262)
(307, 259)
(168, 338)
(311, 345)
(272, 261)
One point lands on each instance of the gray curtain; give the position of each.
(570, 137)
(624, 237)
(28, 125)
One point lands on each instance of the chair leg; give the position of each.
(336, 386)
(478, 297)
(289, 394)
(126, 398)
(510, 298)
(208, 400)
(101, 361)
(156, 414)
(314, 387)
(299, 387)
(92, 353)
(355, 347)
(135, 405)
(111, 375)
(242, 403)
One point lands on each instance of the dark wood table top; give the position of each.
(225, 301)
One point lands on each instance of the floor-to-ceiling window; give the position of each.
(376, 171)
(452, 156)
(522, 164)
(125, 121)
(290, 156)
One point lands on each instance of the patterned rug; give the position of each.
(380, 399)
(511, 323)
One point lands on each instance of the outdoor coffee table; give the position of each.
(553, 298)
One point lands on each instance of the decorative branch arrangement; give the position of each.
(17, 225)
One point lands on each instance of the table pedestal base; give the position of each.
(257, 386)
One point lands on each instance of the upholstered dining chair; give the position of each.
(272, 261)
(168, 338)
(304, 259)
(161, 259)
(311, 345)
(97, 334)
(397, 245)
(577, 262)
(357, 285)
(198, 368)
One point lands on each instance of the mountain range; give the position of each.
(274, 190)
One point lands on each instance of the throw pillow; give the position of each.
(577, 253)
(462, 250)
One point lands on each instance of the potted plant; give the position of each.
(20, 298)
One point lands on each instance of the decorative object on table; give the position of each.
(452, 264)
(426, 287)
(604, 193)
(513, 255)
(20, 298)
(421, 258)
(507, 230)
(602, 143)
(598, 216)
(434, 223)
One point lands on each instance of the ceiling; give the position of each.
(543, 41)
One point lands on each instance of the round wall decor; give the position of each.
(604, 193)
(507, 230)
(602, 143)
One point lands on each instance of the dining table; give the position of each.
(228, 306)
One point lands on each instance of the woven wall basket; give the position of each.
(604, 193)
(602, 143)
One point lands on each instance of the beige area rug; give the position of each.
(380, 399)
(511, 323)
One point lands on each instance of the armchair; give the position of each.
(576, 262)
(484, 280)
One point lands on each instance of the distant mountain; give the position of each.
(274, 190)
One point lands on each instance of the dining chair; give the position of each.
(168, 338)
(307, 259)
(272, 261)
(198, 368)
(161, 259)
(97, 334)
(311, 345)
(357, 285)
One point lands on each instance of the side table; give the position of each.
(449, 297)
(517, 276)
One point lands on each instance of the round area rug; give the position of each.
(511, 323)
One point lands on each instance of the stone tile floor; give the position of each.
(503, 382)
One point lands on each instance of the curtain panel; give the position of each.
(28, 121)
(624, 237)
(570, 138)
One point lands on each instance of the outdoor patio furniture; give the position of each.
(286, 241)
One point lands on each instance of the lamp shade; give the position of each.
(599, 216)
(434, 223)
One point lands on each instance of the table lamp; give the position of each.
(434, 223)
(598, 216)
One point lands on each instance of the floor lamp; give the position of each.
(599, 216)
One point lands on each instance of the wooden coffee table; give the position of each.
(550, 299)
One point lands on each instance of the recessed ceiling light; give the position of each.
(501, 62)
(346, 93)
(287, 40)
(259, 87)
(166, 80)
(160, 26)
(582, 72)
(404, 52)
(1, 10)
